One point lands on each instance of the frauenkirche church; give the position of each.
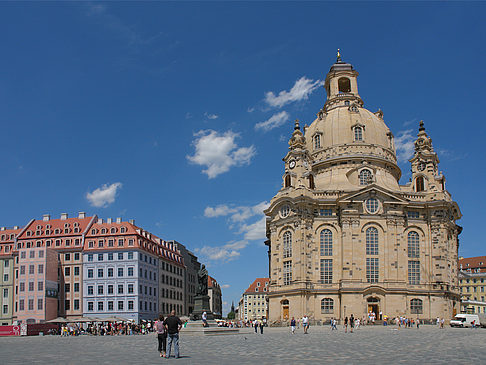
(343, 236)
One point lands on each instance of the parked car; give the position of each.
(465, 320)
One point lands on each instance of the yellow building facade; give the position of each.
(344, 237)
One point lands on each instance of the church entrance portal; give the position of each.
(374, 307)
(285, 309)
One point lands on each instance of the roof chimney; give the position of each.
(46, 217)
(100, 220)
(64, 216)
(16, 227)
(82, 215)
(108, 220)
(118, 220)
(131, 221)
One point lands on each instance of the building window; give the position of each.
(288, 181)
(325, 212)
(76, 304)
(90, 289)
(371, 270)
(327, 305)
(130, 288)
(67, 304)
(419, 184)
(31, 304)
(130, 271)
(312, 185)
(67, 257)
(120, 255)
(67, 271)
(120, 289)
(100, 289)
(100, 306)
(100, 273)
(120, 305)
(130, 255)
(358, 134)
(90, 273)
(372, 241)
(110, 305)
(326, 242)
(120, 271)
(326, 271)
(287, 272)
(21, 305)
(287, 244)
(110, 289)
(40, 286)
(284, 211)
(100, 257)
(5, 309)
(372, 205)
(365, 177)
(76, 270)
(344, 85)
(5, 293)
(31, 269)
(40, 269)
(110, 256)
(317, 141)
(413, 215)
(90, 257)
(111, 243)
(90, 306)
(31, 286)
(110, 272)
(40, 303)
(413, 245)
(67, 288)
(76, 287)
(414, 272)
(416, 306)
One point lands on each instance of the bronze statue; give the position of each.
(202, 278)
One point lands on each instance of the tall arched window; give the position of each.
(358, 133)
(311, 182)
(344, 85)
(372, 241)
(288, 181)
(419, 184)
(327, 305)
(317, 141)
(416, 306)
(365, 176)
(413, 245)
(287, 244)
(326, 242)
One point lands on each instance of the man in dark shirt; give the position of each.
(173, 324)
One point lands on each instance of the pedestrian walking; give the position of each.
(292, 325)
(255, 324)
(345, 324)
(351, 323)
(334, 324)
(305, 323)
(262, 323)
(418, 323)
(161, 335)
(173, 325)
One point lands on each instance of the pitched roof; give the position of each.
(55, 227)
(473, 263)
(260, 285)
(212, 282)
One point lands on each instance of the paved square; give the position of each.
(427, 345)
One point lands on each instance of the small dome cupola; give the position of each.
(341, 85)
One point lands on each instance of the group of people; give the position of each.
(305, 324)
(103, 329)
(259, 323)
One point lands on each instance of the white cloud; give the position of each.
(218, 211)
(404, 145)
(103, 196)
(255, 231)
(274, 121)
(250, 109)
(223, 253)
(219, 152)
(211, 116)
(225, 286)
(301, 90)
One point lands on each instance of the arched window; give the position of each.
(344, 85)
(326, 242)
(327, 305)
(372, 241)
(288, 181)
(365, 177)
(416, 306)
(311, 182)
(287, 244)
(419, 184)
(358, 134)
(413, 245)
(317, 141)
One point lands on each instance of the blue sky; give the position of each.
(178, 114)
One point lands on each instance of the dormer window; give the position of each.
(358, 134)
(365, 177)
(317, 141)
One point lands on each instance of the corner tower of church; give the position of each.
(343, 236)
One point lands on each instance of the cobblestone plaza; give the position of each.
(377, 344)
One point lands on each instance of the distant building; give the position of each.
(253, 303)
(214, 292)
(472, 283)
(190, 276)
(7, 245)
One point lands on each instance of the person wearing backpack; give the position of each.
(161, 335)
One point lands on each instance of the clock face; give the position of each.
(421, 166)
(292, 164)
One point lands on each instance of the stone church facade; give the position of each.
(343, 236)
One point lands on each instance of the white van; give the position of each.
(465, 320)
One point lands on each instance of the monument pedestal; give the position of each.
(201, 305)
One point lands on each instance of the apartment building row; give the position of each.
(87, 266)
(253, 303)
